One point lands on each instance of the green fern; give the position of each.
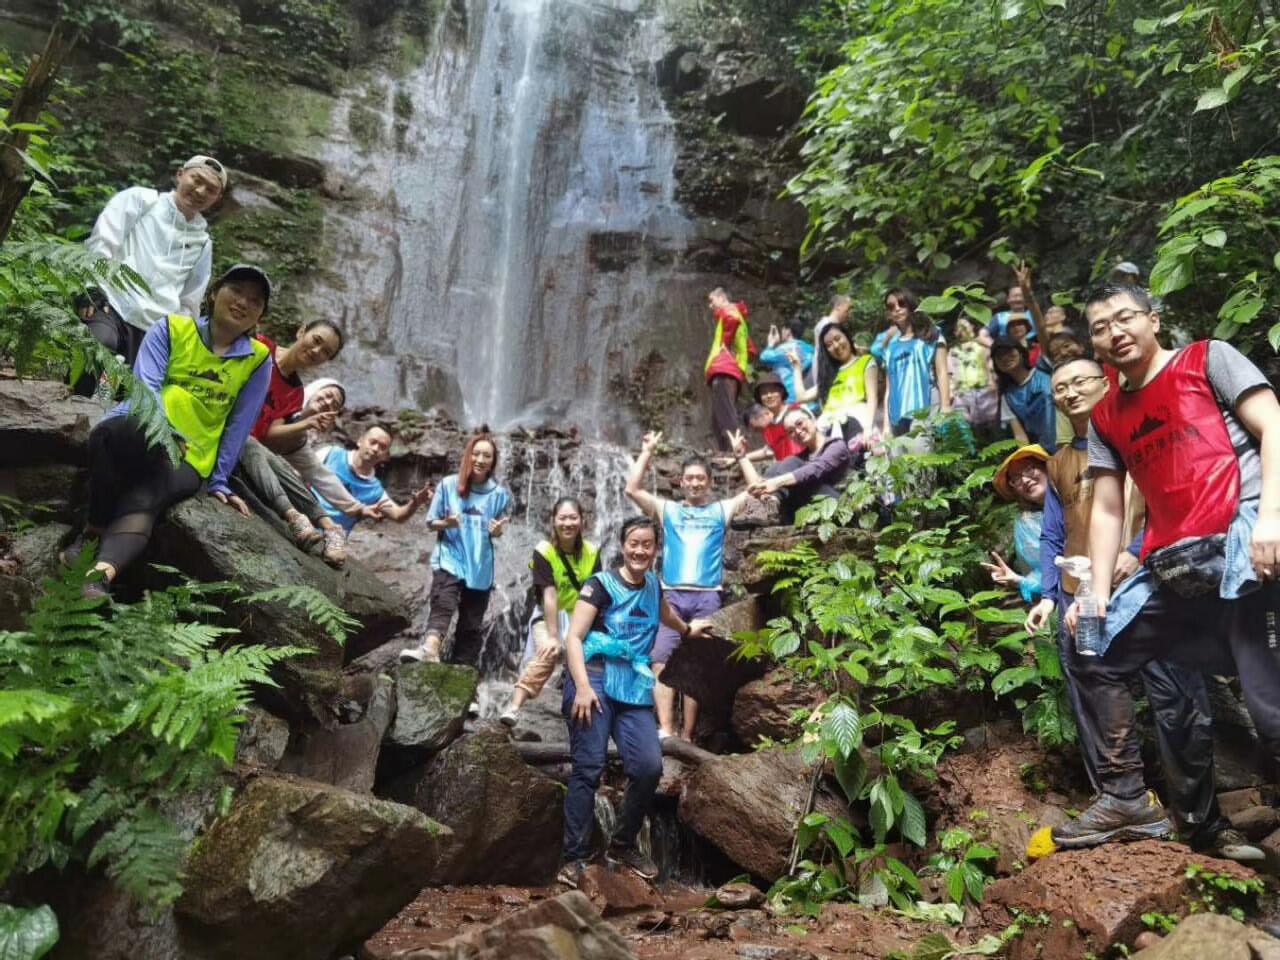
(323, 612)
(105, 720)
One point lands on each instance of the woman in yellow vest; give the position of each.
(210, 377)
(848, 387)
(560, 567)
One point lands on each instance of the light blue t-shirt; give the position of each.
(367, 490)
(1000, 323)
(1032, 404)
(630, 628)
(909, 367)
(693, 545)
(466, 551)
(778, 362)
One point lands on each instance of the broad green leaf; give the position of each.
(939, 304)
(1211, 98)
(843, 728)
(27, 934)
(851, 774)
(913, 825)
(1273, 337)
(932, 946)
(1214, 238)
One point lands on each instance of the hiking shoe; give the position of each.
(422, 653)
(71, 551)
(640, 863)
(1111, 818)
(509, 716)
(571, 871)
(301, 530)
(96, 589)
(1231, 844)
(335, 546)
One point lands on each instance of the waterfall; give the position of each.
(508, 241)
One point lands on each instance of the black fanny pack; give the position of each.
(1191, 568)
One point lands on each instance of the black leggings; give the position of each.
(130, 485)
(449, 594)
(117, 336)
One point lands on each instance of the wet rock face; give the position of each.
(1103, 892)
(506, 818)
(764, 707)
(431, 705)
(301, 870)
(566, 928)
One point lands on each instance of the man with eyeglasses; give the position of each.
(164, 239)
(1198, 429)
(1178, 698)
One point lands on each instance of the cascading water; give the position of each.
(511, 247)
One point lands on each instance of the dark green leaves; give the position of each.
(26, 934)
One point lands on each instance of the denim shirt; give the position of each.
(1238, 579)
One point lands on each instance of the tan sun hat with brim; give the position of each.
(1032, 451)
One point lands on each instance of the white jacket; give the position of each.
(145, 230)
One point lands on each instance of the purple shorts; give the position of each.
(689, 604)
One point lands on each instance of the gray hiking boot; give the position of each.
(636, 859)
(1111, 818)
(1231, 844)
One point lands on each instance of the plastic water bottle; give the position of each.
(1088, 626)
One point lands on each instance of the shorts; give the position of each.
(689, 605)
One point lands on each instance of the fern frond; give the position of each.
(144, 853)
(335, 621)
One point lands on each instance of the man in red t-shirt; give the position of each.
(1199, 431)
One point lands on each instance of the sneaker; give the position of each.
(1110, 818)
(509, 716)
(96, 589)
(571, 871)
(301, 530)
(423, 653)
(71, 551)
(335, 546)
(664, 734)
(1231, 844)
(473, 709)
(636, 859)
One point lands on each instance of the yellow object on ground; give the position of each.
(1041, 844)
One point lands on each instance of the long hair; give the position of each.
(923, 327)
(827, 366)
(555, 535)
(1003, 381)
(468, 460)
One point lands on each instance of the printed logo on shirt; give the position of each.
(214, 375)
(1150, 424)
(473, 511)
(640, 612)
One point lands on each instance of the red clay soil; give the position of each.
(678, 927)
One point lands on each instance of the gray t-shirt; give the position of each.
(1232, 375)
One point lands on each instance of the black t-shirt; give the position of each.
(597, 594)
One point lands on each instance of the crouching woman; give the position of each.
(609, 693)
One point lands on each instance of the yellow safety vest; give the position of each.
(200, 389)
(581, 566)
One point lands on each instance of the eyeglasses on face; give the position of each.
(1123, 319)
(1074, 385)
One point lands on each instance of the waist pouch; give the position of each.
(1191, 568)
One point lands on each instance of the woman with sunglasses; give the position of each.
(817, 471)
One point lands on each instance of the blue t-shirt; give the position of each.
(909, 367)
(776, 359)
(880, 342)
(466, 551)
(625, 628)
(365, 489)
(1032, 404)
(693, 545)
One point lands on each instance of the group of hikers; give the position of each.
(1160, 465)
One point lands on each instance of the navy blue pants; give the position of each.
(635, 731)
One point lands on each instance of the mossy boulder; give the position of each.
(431, 705)
(506, 818)
(298, 869)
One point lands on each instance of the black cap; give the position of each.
(241, 271)
(767, 380)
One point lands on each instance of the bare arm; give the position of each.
(286, 436)
(1019, 431)
(1023, 273)
(871, 384)
(551, 612)
(699, 627)
(943, 375)
(400, 512)
(1259, 412)
(585, 701)
(1105, 523)
(635, 490)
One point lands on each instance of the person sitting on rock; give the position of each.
(470, 509)
(357, 470)
(265, 475)
(164, 239)
(210, 378)
(817, 471)
(693, 533)
(766, 416)
(560, 567)
(609, 693)
(1178, 698)
(788, 356)
(1023, 479)
(728, 363)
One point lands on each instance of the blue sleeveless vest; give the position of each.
(630, 628)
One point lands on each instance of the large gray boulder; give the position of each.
(506, 818)
(297, 869)
(431, 705)
(566, 928)
(1214, 935)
